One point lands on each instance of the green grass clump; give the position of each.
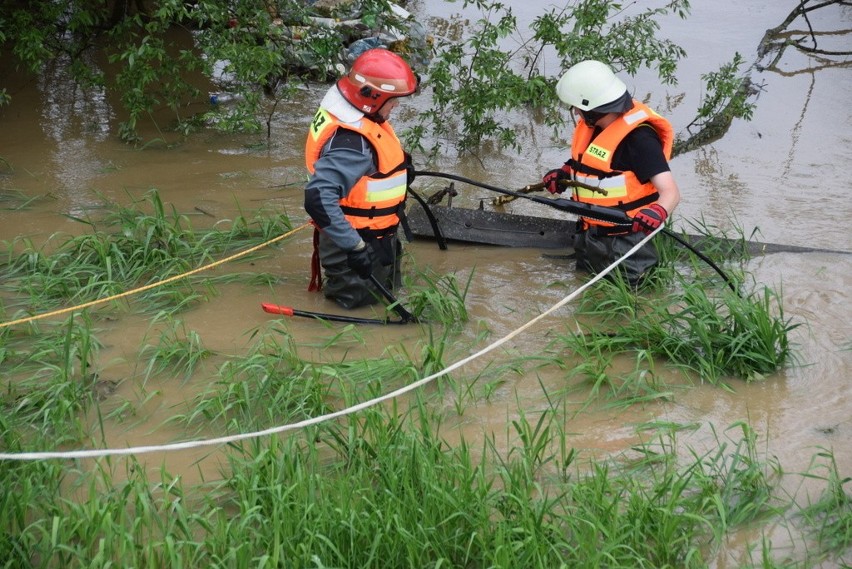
(179, 350)
(49, 387)
(131, 246)
(830, 516)
(714, 337)
(438, 298)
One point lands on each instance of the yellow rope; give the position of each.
(153, 285)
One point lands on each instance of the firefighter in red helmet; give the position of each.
(359, 176)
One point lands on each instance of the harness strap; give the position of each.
(368, 234)
(316, 267)
(605, 231)
(623, 207)
(369, 212)
(380, 242)
(403, 220)
(641, 202)
(609, 230)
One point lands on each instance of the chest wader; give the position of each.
(342, 285)
(595, 250)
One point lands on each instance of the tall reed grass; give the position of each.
(713, 335)
(129, 247)
(385, 490)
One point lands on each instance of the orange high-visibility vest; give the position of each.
(623, 189)
(373, 203)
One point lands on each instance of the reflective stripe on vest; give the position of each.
(615, 186)
(385, 189)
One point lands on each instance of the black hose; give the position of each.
(608, 214)
(342, 318)
(436, 231)
(395, 304)
(703, 257)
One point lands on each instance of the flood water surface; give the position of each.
(781, 175)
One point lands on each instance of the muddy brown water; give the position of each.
(784, 174)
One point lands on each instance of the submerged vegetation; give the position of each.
(397, 484)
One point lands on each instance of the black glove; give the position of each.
(409, 169)
(552, 178)
(649, 218)
(361, 261)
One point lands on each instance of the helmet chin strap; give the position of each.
(376, 116)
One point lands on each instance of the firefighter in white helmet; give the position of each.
(621, 148)
(359, 180)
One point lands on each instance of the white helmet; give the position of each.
(591, 85)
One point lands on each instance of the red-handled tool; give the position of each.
(290, 311)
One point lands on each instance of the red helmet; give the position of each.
(376, 76)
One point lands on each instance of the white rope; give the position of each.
(322, 418)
